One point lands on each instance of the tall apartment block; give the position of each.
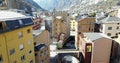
(42, 45)
(60, 26)
(16, 38)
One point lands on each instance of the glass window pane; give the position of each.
(27, 21)
(12, 24)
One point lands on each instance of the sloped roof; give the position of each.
(9, 15)
(95, 36)
(110, 19)
(39, 47)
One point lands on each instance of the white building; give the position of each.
(118, 13)
(110, 26)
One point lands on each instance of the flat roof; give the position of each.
(95, 36)
(10, 15)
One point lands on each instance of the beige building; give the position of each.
(42, 47)
(60, 26)
(84, 25)
(95, 47)
(110, 26)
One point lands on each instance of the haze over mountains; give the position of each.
(63, 4)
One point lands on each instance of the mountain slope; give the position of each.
(36, 5)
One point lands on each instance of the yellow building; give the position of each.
(16, 39)
(73, 24)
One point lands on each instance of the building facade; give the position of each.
(86, 24)
(42, 47)
(60, 26)
(90, 46)
(73, 24)
(16, 38)
(110, 26)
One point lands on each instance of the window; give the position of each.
(12, 51)
(30, 52)
(117, 28)
(35, 54)
(116, 36)
(20, 21)
(31, 61)
(23, 58)
(109, 28)
(41, 53)
(21, 46)
(20, 34)
(1, 28)
(12, 24)
(89, 48)
(42, 61)
(109, 34)
(1, 59)
(80, 28)
(34, 43)
(118, 23)
(29, 42)
(28, 31)
(45, 52)
(27, 21)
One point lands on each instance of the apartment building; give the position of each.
(95, 47)
(16, 39)
(110, 26)
(86, 24)
(60, 26)
(42, 54)
(42, 47)
(73, 24)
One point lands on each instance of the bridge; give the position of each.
(66, 51)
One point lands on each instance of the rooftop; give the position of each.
(39, 47)
(9, 15)
(95, 36)
(109, 19)
(38, 31)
